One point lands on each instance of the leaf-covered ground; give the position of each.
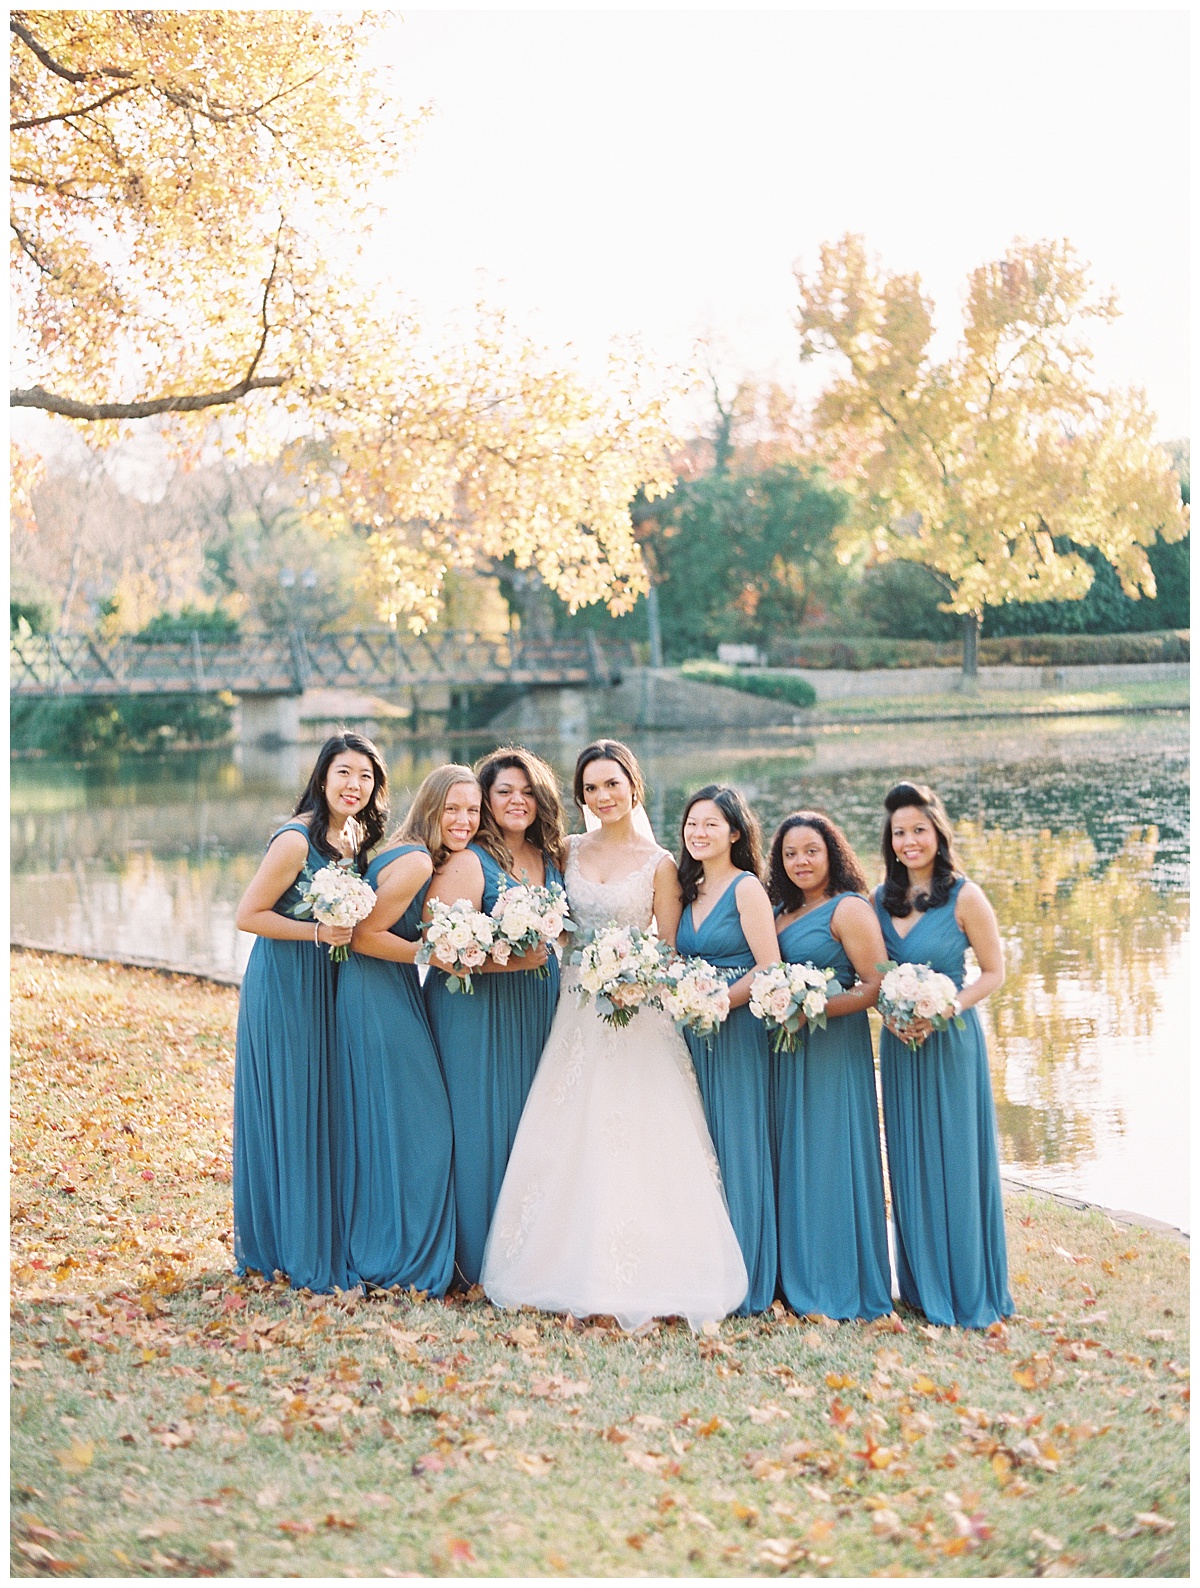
(168, 1419)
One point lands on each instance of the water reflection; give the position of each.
(1077, 830)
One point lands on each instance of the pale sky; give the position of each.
(657, 173)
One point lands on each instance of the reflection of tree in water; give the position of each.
(1085, 946)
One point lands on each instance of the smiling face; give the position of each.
(707, 835)
(460, 815)
(607, 792)
(349, 784)
(914, 839)
(512, 802)
(805, 857)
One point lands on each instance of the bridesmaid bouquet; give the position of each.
(526, 915)
(693, 993)
(917, 992)
(337, 896)
(457, 940)
(781, 993)
(620, 967)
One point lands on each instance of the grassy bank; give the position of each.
(170, 1420)
(1164, 695)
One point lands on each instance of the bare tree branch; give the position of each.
(59, 70)
(72, 110)
(70, 408)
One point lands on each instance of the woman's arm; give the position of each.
(758, 926)
(399, 883)
(668, 900)
(281, 865)
(856, 927)
(975, 915)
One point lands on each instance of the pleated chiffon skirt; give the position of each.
(489, 1042)
(393, 1141)
(284, 1214)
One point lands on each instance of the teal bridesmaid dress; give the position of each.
(489, 1041)
(734, 1072)
(284, 1213)
(833, 1251)
(943, 1161)
(393, 1139)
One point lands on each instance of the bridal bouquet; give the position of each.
(337, 896)
(525, 915)
(457, 940)
(917, 992)
(620, 967)
(693, 993)
(781, 993)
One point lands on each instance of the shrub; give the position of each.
(84, 725)
(1031, 650)
(210, 626)
(774, 686)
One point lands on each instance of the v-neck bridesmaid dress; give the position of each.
(943, 1159)
(734, 1073)
(833, 1252)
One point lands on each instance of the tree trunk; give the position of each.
(970, 651)
(652, 623)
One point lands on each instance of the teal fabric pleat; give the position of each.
(943, 1159)
(393, 1137)
(284, 1213)
(489, 1042)
(833, 1253)
(734, 1074)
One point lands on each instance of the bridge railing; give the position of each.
(290, 663)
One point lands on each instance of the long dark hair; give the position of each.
(370, 823)
(609, 750)
(947, 867)
(546, 830)
(746, 852)
(845, 873)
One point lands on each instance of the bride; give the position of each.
(612, 1201)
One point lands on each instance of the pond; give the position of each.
(1076, 827)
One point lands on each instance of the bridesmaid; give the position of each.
(395, 1140)
(727, 920)
(284, 1213)
(490, 1040)
(943, 1161)
(833, 1251)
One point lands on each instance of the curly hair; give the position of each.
(947, 866)
(546, 831)
(845, 873)
(370, 823)
(746, 852)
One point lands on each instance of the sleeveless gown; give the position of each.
(490, 1041)
(734, 1072)
(612, 1203)
(393, 1139)
(284, 1213)
(833, 1251)
(943, 1161)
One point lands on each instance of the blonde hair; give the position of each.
(546, 831)
(423, 824)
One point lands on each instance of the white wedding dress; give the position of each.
(612, 1201)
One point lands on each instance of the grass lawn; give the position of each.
(1162, 695)
(169, 1419)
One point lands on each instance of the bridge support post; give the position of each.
(268, 719)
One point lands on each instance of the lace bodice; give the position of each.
(629, 902)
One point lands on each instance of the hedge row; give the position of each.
(1029, 650)
(796, 691)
